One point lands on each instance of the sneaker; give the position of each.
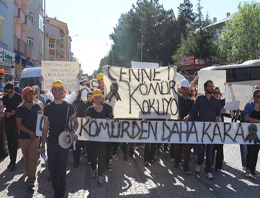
(244, 168)
(247, 173)
(94, 175)
(254, 174)
(186, 171)
(108, 167)
(31, 185)
(172, 160)
(197, 169)
(209, 176)
(146, 163)
(100, 182)
(110, 162)
(114, 158)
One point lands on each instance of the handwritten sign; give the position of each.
(237, 96)
(141, 93)
(60, 70)
(218, 78)
(93, 84)
(167, 132)
(39, 125)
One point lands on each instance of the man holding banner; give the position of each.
(207, 107)
(57, 113)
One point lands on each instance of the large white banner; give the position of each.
(167, 131)
(141, 93)
(218, 78)
(67, 72)
(151, 131)
(237, 96)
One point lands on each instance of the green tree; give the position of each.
(240, 39)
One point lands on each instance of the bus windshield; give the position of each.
(29, 82)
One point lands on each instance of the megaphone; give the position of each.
(65, 140)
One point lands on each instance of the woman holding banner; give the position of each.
(97, 149)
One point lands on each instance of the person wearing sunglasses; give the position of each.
(35, 99)
(11, 100)
(252, 114)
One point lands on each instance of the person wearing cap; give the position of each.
(98, 149)
(26, 119)
(11, 100)
(57, 115)
(185, 104)
(100, 82)
(207, 108)
(252, 114)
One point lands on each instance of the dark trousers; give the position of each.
(115, 147)
(199, 150)
(124, 148)
(209, 157)
(97, 150)
(219, 156)
(57, 163)
(177, 154)
(12, 140)
(252, 156)
(149, 151)
(77, 152)
(108, 152)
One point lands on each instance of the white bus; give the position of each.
(247, 73)
(30, 77)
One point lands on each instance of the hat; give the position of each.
(57, 83)
(27, 90)
(100, 77)
(97, 92)
(185, 83)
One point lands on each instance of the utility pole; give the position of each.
(44, 31)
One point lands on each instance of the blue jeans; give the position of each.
(57, 163)
(199, 150)
(243, 150)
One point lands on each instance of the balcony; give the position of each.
(3, 11)
(3, 45)
(19, 14)
(27, 24)
(21, 47)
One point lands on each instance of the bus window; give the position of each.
(242, 74)
(255, 73)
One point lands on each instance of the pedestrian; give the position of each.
(57, 114)
(35, 98)
(185, 105)
(252, 114)
(26, 119)
(98, 149)
(11, 100)
(207, 107)
(38, 95)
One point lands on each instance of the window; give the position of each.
(51, 45)
(30, 41)
(30, 15)
(255, 73)
(52, 58)
(238, 74)
(40, 23)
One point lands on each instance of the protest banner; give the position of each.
(151, 131)
(93, 84)
(237, 96)
(143, 65)
(218, 78)
(39, 125)
(141, 93)
(67, 72)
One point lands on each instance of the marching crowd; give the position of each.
(20, 117)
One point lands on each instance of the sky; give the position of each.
(90, 22)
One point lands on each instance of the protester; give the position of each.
(11, 100)
(98, 149)
(26, 119)
(185, 105)
(35, 99)
(207, 107)
(38, 95)
(57, 114)
(193, 91)
(252, 114)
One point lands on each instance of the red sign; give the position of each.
(187, 60)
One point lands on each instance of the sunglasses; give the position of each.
(215, 92)
(9, 92)
(192, 90)
(257, 96)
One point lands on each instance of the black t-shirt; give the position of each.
(29, 118)
(81, 107)
(11, 104)
(91, 112)
(255, 114)
(57, 114)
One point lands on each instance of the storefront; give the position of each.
(7, 60)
